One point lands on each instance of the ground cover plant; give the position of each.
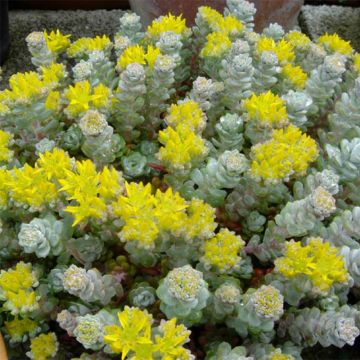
(181, 193)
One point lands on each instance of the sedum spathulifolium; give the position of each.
(175, 192)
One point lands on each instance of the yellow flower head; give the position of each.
(55, 163)
(169, 22)
(83, 185)
(53, 74)
(170, 210)
(267, 108)
(5, 141)
(134, 329)
(56, 42)
(222, 251)
(287, 153)
(4, 188)
(217, 44)
(295, 75)
(16, 288)
(43, 347)
(136, 54)
(356, 59)
(201, 222)
(277, 355)
(19, 328)
(52, 101)
(282, 49)
(297, 39)
(85, 46)
(217, 22)
(334, 43)
(182, 147)
(111, 183)
(187, 113)
(25, 86)
(320, 262)
(81, 97)
(30, 186)
(173, 337)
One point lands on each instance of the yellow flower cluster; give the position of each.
(287, 153)
(218, 23)
(91, 190)
(17, 328)
(133, 336)
(282, 49)
(295, 75)
(52, 101)
(16, 289)
(5, 141)
(30, 186)
(187, 113)
(267, 108)
(81, 97)
(43, 347)
(29, 85)
(320, 262)
(334, 43)
(297, 39)
(222, 251)
(147, 216)
(86, 45)
(216, 45)
(166, 23)
(56, 42)
(136, 54)
(277, 355)
(182, 148)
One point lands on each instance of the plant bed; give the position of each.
(181, 193)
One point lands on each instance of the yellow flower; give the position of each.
(86, 45)
(18, 328)
(287, 153)
(356, 59)
(334, 43)
(170, 210)
(320, 262)
(298, 39)
(230, 25)
(169, 22)
(88, 207)
(43, 347)
(295, 74)
(217, 22)
(187, 113)
(217, 44)
(52, 74)
(56, 163)
(211, 16)
(182, 147)
(201, 222)
(16, 288)
(25, 86)
(132, 333)
(5, 140)
(31, 186)
(52, 101)
(277, 355)
(222, 251)
(171, 340)
(111, 183)
(57, 42)
(81, 97)
(282, 49)
(267, 108)
(101, 96)
(4, 188)
(136, 54)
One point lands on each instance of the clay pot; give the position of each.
(284, 12)
(3, 354)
